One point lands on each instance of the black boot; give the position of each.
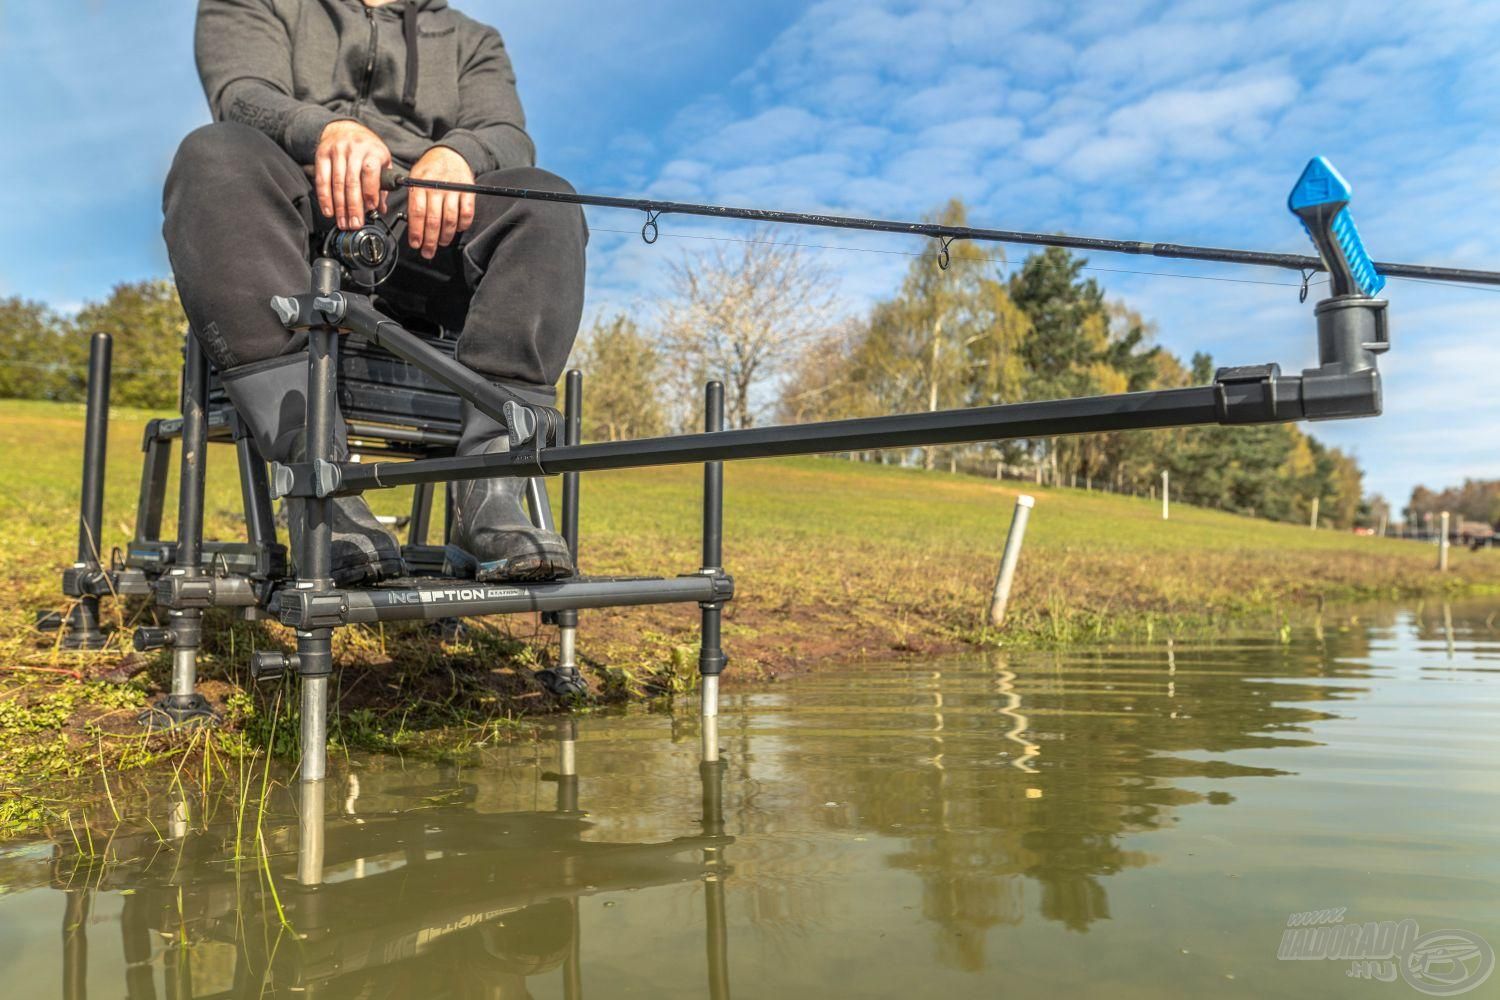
(493, 537)
(271, 397)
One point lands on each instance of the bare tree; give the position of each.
(742, 314)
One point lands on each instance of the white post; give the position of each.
(1443, 543)
(1314, 523)
(1380, 532)
(1165, 489)
(1001, 596)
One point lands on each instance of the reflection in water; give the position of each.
(1033, 825)
(431, 899)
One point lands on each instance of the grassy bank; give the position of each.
(833, 561)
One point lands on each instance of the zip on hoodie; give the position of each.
(364, 87)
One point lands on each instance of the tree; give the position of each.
(743, 315)
(146, 320)
(949, 337)
(822, 384)
(624, 371)
(1068, 319)
(39, 359)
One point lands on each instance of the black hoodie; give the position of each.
(416, 72)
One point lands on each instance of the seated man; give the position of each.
(311, 99)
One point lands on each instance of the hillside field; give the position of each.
(833, 561)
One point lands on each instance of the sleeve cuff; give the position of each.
(467, 145)
(305, 129)
(500, 148)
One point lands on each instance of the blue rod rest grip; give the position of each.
(1320, 199)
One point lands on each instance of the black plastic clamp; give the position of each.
(85, 580)
(150, 637)
(723, 585)
(305, 311)
(306, 610)
(1247, 394)
(271, 664)
(180, 592)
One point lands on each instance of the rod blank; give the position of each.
(1176, 251)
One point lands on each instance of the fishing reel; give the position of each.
(367, 254)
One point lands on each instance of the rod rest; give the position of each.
(1352, 333)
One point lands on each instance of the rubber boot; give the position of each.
(271, 397)
(493, 536)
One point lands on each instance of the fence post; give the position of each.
(1165, 489)
(1443, 543)
(1314, 522)
(1001, 596)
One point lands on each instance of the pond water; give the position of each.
(1129, 822)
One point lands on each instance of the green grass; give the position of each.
(832, 560)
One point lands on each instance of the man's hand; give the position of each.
(347, 172)
(434, 218)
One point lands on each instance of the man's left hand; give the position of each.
(434, 218)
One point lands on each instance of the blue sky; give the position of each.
(1181, 122)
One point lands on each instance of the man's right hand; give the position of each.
(347, 169)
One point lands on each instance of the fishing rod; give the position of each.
(654, 209)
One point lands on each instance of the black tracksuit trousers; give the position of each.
(241, 220)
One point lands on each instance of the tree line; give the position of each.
(1476, 500)
(44, 355)
(964, 335)
(761, 316)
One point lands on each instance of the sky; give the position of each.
(1170, 122)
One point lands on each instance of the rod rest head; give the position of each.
(1353, 331)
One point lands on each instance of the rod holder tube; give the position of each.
(82, 631)
(1000, 598)
(95, 443)
(194, 442)
(713, 482)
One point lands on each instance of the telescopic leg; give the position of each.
(315, 561)
(711, 659)
(184, 706)
(565, 678)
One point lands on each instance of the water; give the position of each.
(1126, 823)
